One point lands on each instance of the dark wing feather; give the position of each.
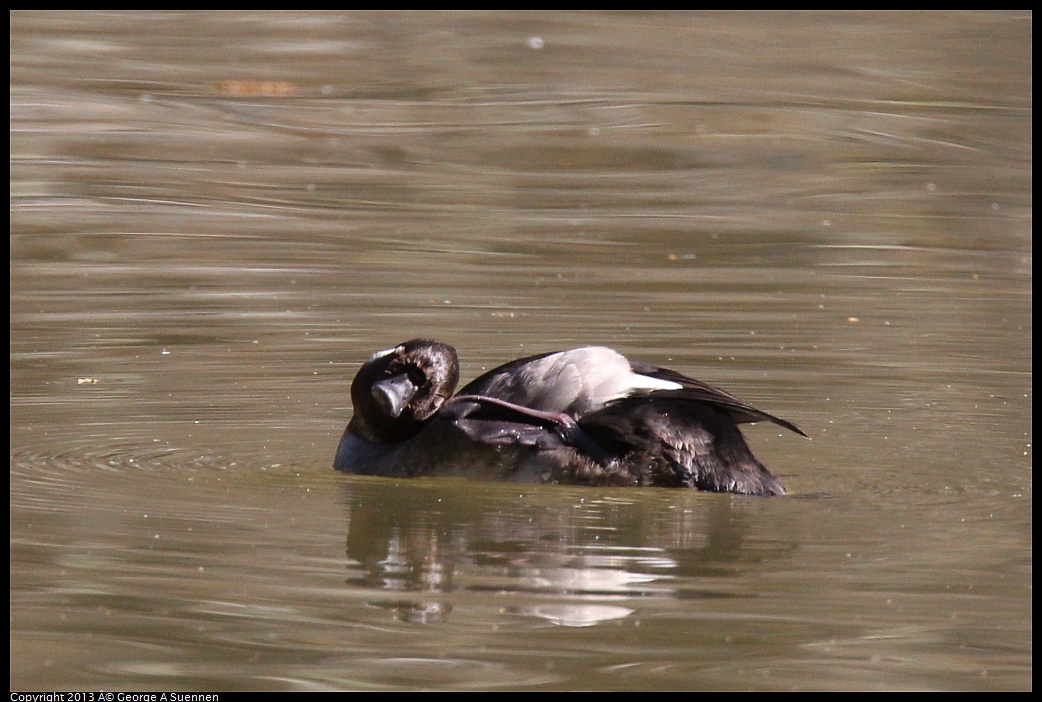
(697, 391)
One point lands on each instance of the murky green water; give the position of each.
(216, 217)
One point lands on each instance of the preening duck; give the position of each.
(588, 416)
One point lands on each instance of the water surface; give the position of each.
(215, 218)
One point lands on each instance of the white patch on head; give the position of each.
(386, 352)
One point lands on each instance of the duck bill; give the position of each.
(393, 394)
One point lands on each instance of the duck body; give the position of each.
(587, 416)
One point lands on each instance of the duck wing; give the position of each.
(697, 391)
(572, 382)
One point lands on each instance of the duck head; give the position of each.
(398, 390)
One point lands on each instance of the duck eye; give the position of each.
(413, 372)
(416, 376)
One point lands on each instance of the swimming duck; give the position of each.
(588, 416)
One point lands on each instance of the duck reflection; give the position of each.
(566, 556)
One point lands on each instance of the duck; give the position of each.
(585, 416)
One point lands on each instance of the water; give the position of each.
(215, 218)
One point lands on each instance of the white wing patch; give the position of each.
(646, 382)
(575, 382)
(600, 375)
